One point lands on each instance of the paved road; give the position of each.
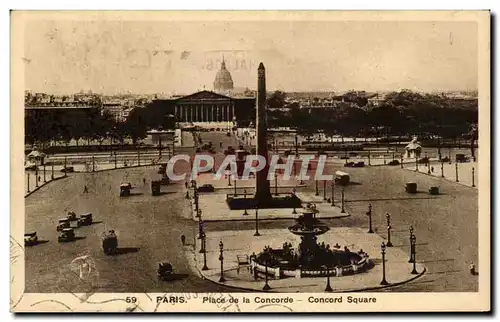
(445, 226)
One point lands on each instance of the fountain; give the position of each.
(311, 259)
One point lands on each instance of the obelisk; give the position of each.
(262, 189)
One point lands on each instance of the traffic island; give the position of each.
(238, 271)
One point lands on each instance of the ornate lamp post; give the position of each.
(138, 157)
(293, 193)
(473, 184)
(65, 165)
(275, 184)
(93, 164)
(328, 287)
(442, 169)
(234, 186)
(245, 198)
(200, 228)
(401, 161)
(384, 159)
(221, 258)
(52, 175)
(266, 286)
(384, 281)
(204, 241)
(45, 180)
(428, 167)
(369, 214)
(28, 181)
(369, 158)
(229, 180)
(456, 172)
(324, 190)
(414, 241)
(256, 221)
(343, 209)
(411, 245)
(388, 217)
(36, 176)
(317, 189)
(333, 193)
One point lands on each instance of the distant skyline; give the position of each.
(112, 57)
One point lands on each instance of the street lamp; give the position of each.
(402, 161)
(384, 281)
(328, 287)
(293, 193)
(411, 260)
(234, 185)
(36, 175)
(200, 228)
(369, 158)
(317, 189)
(473, 184)
(369, 214)
(256, 221)
(343, 209)
(333, 192)
(245, 198)
(45, 180)
(204, 241)
(456, 172)
(116, 165)
(138, 157)
(388, 217)
(52, 175)
(442, 169)
(414, 241)
(65, 166)
(276, 184)
(324, 190)
(221, 258)
(266, 286)
(229, 180)
(28, 181)
(202, 248)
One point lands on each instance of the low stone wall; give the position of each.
(346, 270)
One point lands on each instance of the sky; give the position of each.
(110, 56)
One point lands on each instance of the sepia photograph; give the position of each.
(233, 161)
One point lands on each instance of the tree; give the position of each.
(276, 100)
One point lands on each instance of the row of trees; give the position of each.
(402, 113)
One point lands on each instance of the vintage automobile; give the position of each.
(460, 158)
(165, 271)
(30, 238)
(63, 223)
(67, 235)
(109, 242)
(68, 169)
(206, 188)
(85, 220)
(342, 178)
(72, 216)
(125, 189)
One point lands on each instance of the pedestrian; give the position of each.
(39, 178)
(85, 189)
(183, 240)
(144, 181)
(432, 169)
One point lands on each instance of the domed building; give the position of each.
(223, 81)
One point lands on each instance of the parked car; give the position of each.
(30, 238)
(165, 271)
(460, 157)
(206, 188)
(68, 169)
(359, 164)
(109, 242)
(125, 189)
(85, 220)
(67, 235)
(393, 162)
(72, 216)
(63, 223)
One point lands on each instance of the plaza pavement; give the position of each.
(398, 270)
(449, 172)
(215, 208)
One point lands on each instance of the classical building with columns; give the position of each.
(204, 107)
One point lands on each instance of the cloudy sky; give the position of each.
(65, 56)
